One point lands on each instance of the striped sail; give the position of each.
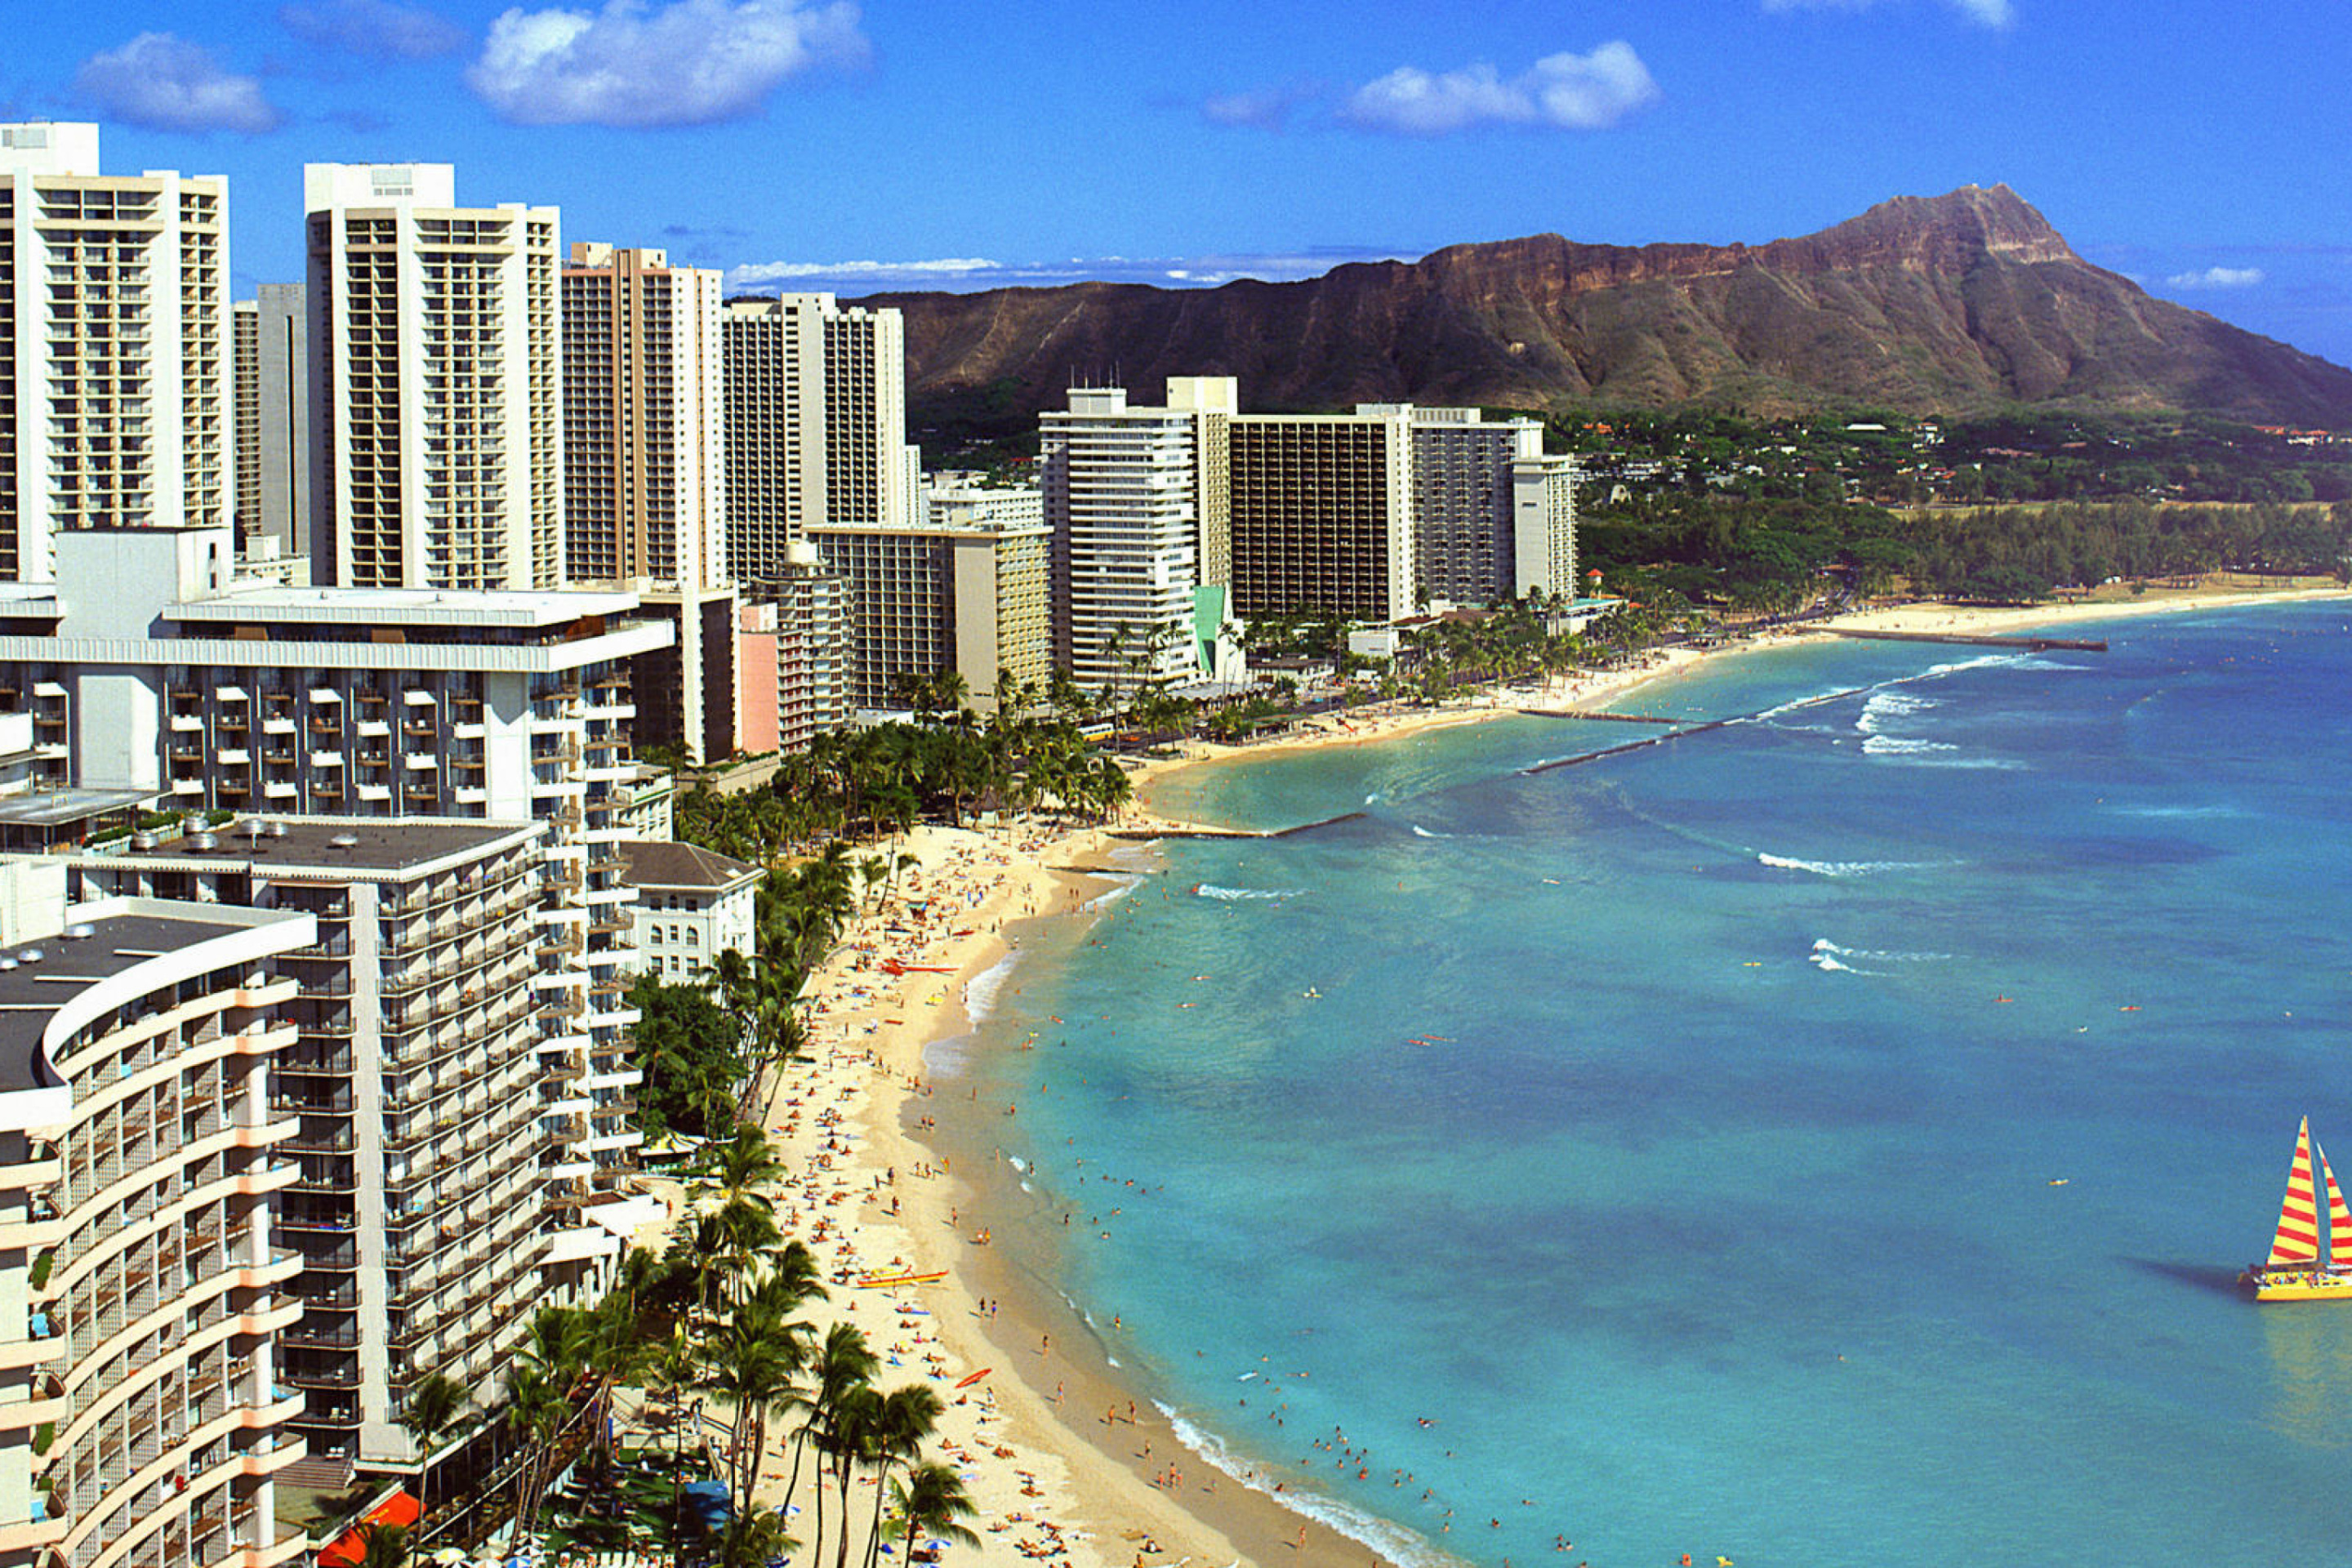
(2298, 1240)
(2339, 1218)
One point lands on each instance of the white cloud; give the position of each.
(1984, 13)
(753, 274)
(2218, 278)
(166, 83)
(965, 274)
(378, 29)
(689, 63)
(1578, 92)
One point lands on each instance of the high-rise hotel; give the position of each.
(114, 347)
(1136, 498)
(436, 384)
(816, 425)
(644, 480)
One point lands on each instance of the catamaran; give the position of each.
(2299, 1268)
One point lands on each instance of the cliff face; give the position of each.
(1928, 305)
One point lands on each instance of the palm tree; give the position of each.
(930, 1501)
(907, 1415)
(842, 1364)
(382, 1546)
(741, 1165)
(750, 1361)
(754, 1537)
(854, 1438)
(435, 1407)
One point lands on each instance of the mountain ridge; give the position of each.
(1946, 305)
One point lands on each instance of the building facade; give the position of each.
(426, 1124)
(692, 905)
(142, 1417)
(273, 427)
(158, 675)
(1464, 514)
(797, 654)
(975, 600)
(816, 420)
(1543, 512)
(115, 356)
(1123, 499)
(436, 383)
(1322, 516)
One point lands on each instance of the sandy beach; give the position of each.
(892, 1176)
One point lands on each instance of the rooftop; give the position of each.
(336, 844)
(403, 606)
(31, 992)
(58, 807)
(652, 863)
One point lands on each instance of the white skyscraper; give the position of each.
(114, 347)
(1124, 497)
(436, 384)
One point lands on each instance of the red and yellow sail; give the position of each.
(2298, 1240)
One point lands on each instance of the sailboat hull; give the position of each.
(2298, 1287)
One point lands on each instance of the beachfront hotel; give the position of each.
(1322, 515)
(153, 675)
(426, 1118)
(143, 1419)
(1136, 524)
(1465, 531)
(436, 383)
(971, 598)
(1543, 524)
(114, 346)
(794, 650)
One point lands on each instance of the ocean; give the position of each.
(1828, 1138)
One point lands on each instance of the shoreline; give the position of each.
(1053, 1479)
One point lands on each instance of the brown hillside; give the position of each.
(1945, 304)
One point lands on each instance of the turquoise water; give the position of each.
(1826, 1139)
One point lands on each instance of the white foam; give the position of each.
(980, 992)
(1823, 960)
(1392, 1542)
(1209, 891)
(1868, 956)
(1104, 900)
(1886, 705)
(1421, 832)
(1847, 867)
(1021, 1165)
(1902, 746)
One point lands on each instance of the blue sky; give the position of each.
(2200, 148)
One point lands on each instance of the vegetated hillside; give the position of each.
(1951, 304)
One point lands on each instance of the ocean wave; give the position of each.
(980, 992)
(1211, 890)
(1421, 832)
(1824, 962)
(1875, 745)
(1886, 705)
(1846, 867)
(1391, 1542)
(1105, 899)
(1870, 955)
